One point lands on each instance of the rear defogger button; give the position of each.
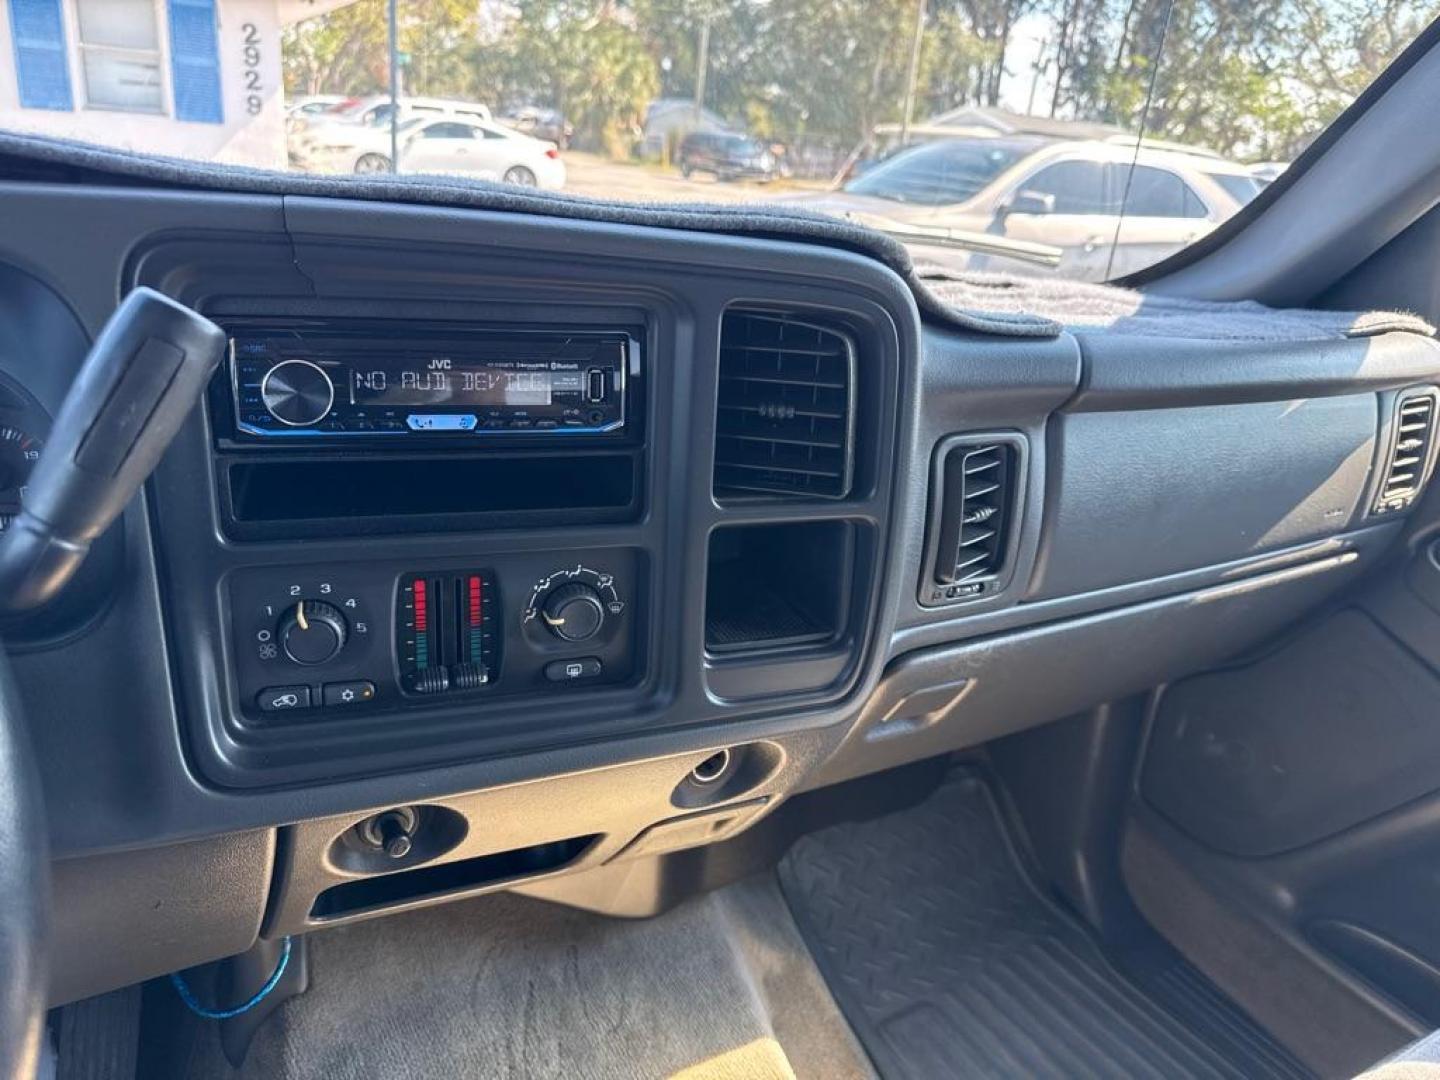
(583, 667)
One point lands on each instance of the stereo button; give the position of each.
(297, 393)
(441, 421)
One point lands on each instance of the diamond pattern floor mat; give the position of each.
(949, 962)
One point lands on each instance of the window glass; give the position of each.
(448, 131)
(1160, 193)
(940, 173)
(125, 24)
(1240, 188)
(1078, 187)
(914, 117)
(120, 54)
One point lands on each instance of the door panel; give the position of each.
(1311, 777)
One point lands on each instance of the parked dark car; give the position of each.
(540, 123)
(727, 155)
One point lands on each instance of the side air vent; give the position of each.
(785, 422)
(1412, 453)
(976, 485)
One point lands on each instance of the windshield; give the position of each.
(1240, 188)
(1085, 138)
(939, 173)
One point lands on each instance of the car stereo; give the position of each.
(400, 383)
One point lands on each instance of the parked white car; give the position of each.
(483, 151)
(334, 127)
(1061, 194)
(310, 105)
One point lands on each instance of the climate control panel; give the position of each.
(447, 631)
(319, 642)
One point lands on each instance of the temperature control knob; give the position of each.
(313, 632)
(573, 612)
(297, 393)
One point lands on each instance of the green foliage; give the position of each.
(1249, 78)
(1254, 80)
(347, 51)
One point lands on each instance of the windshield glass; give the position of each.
(1240, 188)
(938, 173)
(1085, 138)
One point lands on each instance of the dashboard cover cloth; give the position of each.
(99, 165)
(999, 304)
(1080, 307)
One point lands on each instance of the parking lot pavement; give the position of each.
(597, 177)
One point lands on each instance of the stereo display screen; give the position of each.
(447, 382)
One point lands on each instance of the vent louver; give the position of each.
(1411, 456)
(977, 480)
(785, 419)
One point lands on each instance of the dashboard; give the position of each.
(507, 552)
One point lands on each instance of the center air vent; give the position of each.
(976, 485)
(786, 417)
(1412, 454)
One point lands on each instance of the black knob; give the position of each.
(573, 612)
(297, 393)
(394, 834)
(313, 632)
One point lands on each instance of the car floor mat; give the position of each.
(948, 961)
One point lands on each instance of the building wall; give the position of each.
(251, 130)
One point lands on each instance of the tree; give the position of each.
(1248, 78)
(958, 66)
(582, 57)
(989, 23)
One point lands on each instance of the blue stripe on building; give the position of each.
(195, 61)
(42, 68)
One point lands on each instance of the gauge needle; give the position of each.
(300, 616)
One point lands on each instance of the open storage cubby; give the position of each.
(778, 585)
(430, 882)
(372, 493)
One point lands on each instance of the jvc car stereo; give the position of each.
(405, 383)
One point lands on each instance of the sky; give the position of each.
(1026, 39)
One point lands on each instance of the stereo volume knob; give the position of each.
(313, 632)
(574, 612)
(297, 392)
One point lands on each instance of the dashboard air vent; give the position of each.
(977, 482)
(786, 417)
(1412, 453)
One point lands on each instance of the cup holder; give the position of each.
(398, 838)
(727, 773)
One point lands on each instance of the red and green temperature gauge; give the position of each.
(445, 631)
